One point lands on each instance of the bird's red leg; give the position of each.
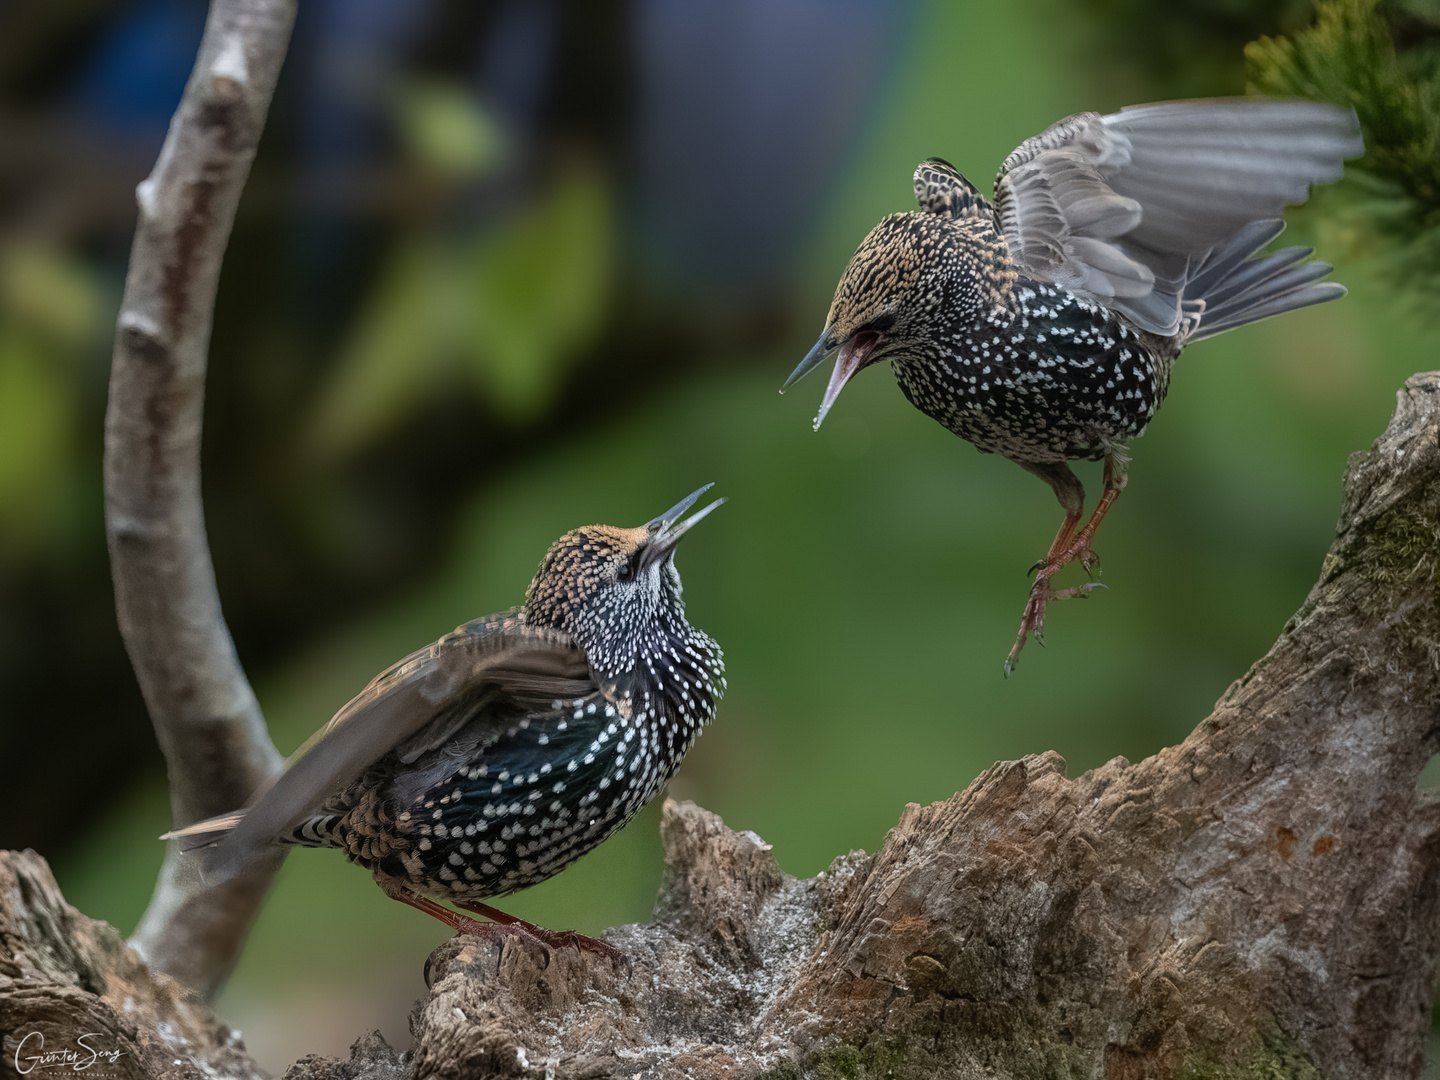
(1067, 546)
(555, 939)
(499, 924)
(461, 924)
(1061, 544)
(1079, 547)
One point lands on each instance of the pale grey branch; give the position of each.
(205, 715)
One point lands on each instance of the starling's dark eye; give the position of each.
(882, 323)
(626, 572)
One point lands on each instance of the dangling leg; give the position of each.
(1116, 477)
(1067, 546)
(1071, 494)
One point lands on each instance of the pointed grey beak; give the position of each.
(853, 356)
(813, 359)
(667, 529)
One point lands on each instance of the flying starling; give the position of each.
(494, 758)
(1043, 326)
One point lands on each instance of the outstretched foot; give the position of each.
(1032, 622)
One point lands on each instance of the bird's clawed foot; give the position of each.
(551, 939)
(501, 924)
(1032, 622)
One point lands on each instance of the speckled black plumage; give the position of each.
(494, 758)
(1043, 326)
(1015, 366)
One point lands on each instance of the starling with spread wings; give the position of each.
(494, 758)
(1043, 326)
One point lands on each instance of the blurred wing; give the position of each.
(413, 706)
(1119, 208)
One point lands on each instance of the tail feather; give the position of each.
(1223, 260)
(1319, 293)
(207, 833)
(1237, 286)
(1254, 273)
(314, 831)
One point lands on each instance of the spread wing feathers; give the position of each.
(1121, 207)
(411, 707)
(1237, 289)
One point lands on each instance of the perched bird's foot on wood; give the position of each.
(501, 922)
(569, 939)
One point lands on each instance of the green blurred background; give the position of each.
(508, 268)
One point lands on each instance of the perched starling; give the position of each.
(1043, 326)
(494, 758)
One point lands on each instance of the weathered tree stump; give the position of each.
(74, 996)
(1259, 901)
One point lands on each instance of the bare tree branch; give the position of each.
(206, 717)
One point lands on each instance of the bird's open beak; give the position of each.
(854, 354)
(667, 529)
(813, 359)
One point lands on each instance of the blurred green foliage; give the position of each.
(865, 582)
(1138, 49)
(502, 314)
(1350, 56)
(51, 309)
(445, 129)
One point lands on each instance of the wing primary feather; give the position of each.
(1185, 190)
(413, 703)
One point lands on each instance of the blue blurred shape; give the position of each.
(346, 57)
(137, 72)
(516, 62)
(747, 109)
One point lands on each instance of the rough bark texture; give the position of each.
(1259, 901)
(205, 714)
(72, 990)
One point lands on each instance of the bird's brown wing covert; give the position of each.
(409, 708)
(1119, 208)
